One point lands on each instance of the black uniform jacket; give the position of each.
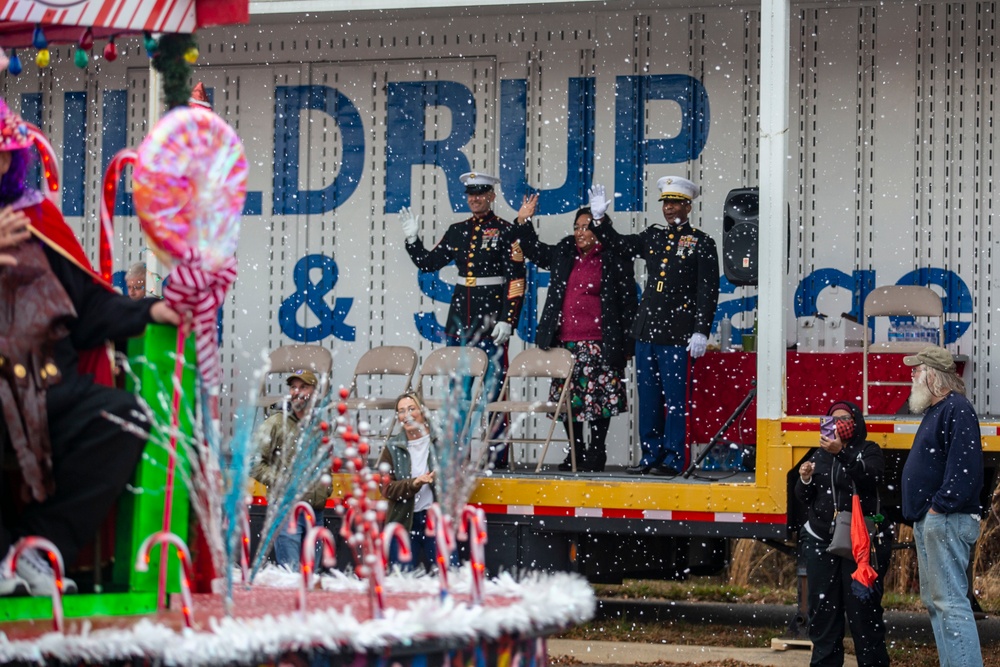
(682, 280)
(481, 248)
(618, 294)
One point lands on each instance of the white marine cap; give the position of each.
(476, 182)
(677, 187)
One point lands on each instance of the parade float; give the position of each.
(188, 183)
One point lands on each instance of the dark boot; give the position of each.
(578, 445)
(597, 453)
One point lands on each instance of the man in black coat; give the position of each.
(487, 300)
(677, 309)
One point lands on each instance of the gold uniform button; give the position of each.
(52, 369)
(671, 237)
(668, 248)
(20, 371)
(663, 273)
(471, 255)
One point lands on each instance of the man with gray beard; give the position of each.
(942, 480)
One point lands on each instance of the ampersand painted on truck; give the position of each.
(332, 321)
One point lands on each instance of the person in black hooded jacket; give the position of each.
(589, 310)
(846, 464)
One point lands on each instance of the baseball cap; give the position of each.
(306, 376)
(934, 357)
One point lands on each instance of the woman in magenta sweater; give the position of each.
(589, 310)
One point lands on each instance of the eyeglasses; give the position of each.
(844, 418)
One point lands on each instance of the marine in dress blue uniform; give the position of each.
(487, 300)
(674, 319)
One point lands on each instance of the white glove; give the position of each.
(697, 344)
(410, 223)
(501, 332)
(598, 204)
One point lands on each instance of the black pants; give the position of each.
(93, 458)
(830, 599)
(594, 457)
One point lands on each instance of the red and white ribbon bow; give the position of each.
(195, 290)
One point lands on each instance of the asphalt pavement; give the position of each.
(900, 625)
(622, 653)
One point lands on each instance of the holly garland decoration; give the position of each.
(173, 54)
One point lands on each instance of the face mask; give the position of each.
(845, 430)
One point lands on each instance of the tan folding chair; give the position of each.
(457, 368)
(533, 363)
(291, 358)
(384, 361)
(898, 301)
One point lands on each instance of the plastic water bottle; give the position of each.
(725, 334)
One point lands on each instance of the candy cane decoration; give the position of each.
(55, 559)
(324, 535)
(142, 565)
(50, 166)
(109, 186)
(376, 572)
(378, 553)
(347, 532)
(302, 507)
(473, 528)
(168, 493)
(439, 525)
(402, 537)
(245, 545)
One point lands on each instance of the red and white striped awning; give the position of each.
(64, 19)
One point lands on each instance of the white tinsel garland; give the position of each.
(541, 601)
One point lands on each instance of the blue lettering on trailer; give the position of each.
(289, 101)
(406, 145)
(634, 151)
(579, 146)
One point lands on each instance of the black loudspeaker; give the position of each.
(739, 236)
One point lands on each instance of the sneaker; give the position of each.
(34, 569)
(13, 584)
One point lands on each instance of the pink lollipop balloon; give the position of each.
(189, 184)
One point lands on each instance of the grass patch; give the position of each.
(903, 602)
(674, 632)
(701, 589)
(715, 589)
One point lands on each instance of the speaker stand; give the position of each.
(740, 409)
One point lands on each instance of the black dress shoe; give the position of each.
(639, 469)
(665, 471)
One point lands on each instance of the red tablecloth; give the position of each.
(721, 380)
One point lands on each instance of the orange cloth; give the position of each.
(864, 574)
